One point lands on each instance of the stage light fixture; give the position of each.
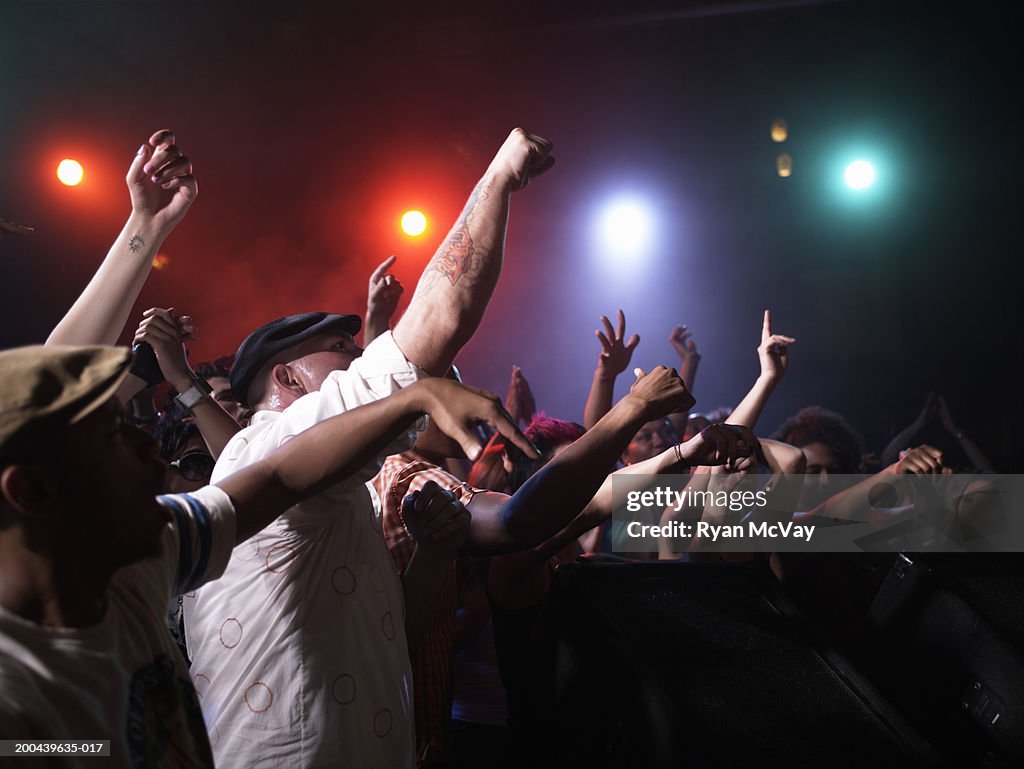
(859, 175)
(414, 223)
(780, 131)
(70, 172)
(626, 227)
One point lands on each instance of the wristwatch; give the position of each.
(187, 400)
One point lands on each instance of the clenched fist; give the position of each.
(522, 157)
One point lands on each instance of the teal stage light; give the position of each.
(859, 175)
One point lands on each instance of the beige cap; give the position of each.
(43, 389)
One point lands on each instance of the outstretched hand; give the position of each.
(773, 352)
(522, 157)
(436, 520)
(615, 354)
(661, 392)
(456, 408)
(682, 340)
(161, 183)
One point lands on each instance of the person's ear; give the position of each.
(506, 462)
(285, 378)
(29, 490)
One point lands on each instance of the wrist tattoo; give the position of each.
(135, 244)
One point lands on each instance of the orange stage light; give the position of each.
(414, 223)
(70, 172)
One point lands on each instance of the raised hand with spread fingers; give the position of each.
(616, 353)
(614, 358)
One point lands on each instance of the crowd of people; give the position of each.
(321, 552)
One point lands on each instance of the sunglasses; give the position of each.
(194, 466)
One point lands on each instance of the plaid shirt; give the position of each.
(401, 475)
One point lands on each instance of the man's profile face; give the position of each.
(110, 474)
(316, 358)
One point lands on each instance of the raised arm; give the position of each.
(516, 575)
(970, 448)
(457, 284)
(559, 491)
(328, 452)
(382, 298)
(162, 188)
(613, 359)
(166, 333)
(519, 401)
(686, 348)
(773, 354)
(908, 436)
(714, 445)
(783, 458)
(854, 502)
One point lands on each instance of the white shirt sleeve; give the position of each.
(381, 370)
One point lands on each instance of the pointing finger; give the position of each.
(382, 268)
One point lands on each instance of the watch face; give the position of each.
(190, 397)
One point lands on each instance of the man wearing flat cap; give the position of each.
(78, 505)
(90, 556)
(299, 650)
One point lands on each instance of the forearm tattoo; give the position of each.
(455, 256)
(136, 244)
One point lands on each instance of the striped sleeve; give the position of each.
(204, 522)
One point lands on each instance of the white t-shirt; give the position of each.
(123, 679)
(298, 651)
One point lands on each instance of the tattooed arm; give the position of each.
(162, 189)
(458, 281)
